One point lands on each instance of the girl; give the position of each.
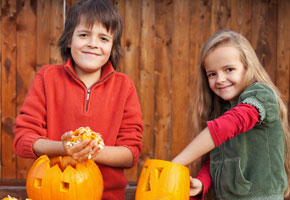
(242, 122)
(85, 91)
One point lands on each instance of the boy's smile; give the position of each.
(90, 49)
(225, 72)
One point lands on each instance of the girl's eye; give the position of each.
(229, 69)
(210, 75)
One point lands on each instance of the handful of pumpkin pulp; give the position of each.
(84, 133)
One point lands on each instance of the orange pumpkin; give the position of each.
(9, 198)
(164, 180)
(63, 178)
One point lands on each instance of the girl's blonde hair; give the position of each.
(207, 105)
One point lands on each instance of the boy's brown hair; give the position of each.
(92, 11)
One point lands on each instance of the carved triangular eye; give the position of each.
(158, 172)
(146, 187)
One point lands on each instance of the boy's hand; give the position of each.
(195, 186)
(65, 138)
(81, 151)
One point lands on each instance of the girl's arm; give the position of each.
(202, 144)
(239, 119)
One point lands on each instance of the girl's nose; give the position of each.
(221, 78)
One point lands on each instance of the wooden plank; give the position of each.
(121, 6)
(132, 40)
(283, 49)
(221, 14)
(264, 34)
(200, 31)
(131, 54)
(147, 58)
(180, 76)
(26, 65)
(43, 32)
(68, 3)
(8, 83)
(1, 88)
(241, 17)
(163, 65)
(57, 20)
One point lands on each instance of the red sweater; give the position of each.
(239, 119)
(58, 102)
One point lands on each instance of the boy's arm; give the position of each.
(30, 122)
(115, 156)
(129, 141)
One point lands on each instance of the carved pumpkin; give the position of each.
(62, 178)
(9, 198)
(163, 180)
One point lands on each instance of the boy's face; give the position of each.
(90, 48)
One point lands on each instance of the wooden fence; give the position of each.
(162, 40)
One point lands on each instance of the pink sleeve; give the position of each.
(239, 119)
(205, 178)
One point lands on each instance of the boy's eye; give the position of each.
(105, 39)
(83, 35)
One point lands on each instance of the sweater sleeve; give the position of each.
(130, 133)
(30, 122)
(239, 119)
(205, 178)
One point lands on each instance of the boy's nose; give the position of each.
(93, 42)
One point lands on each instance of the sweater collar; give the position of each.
(107, 70)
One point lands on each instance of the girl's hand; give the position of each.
(195, 186)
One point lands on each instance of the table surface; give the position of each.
(16, 188)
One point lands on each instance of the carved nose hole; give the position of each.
(37, 183)
(64, 187)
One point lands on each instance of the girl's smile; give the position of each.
(225, 72)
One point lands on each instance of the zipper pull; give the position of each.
(88, 94)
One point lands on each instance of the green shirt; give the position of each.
(251, 165)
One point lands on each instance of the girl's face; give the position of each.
(90, 48)
(225, 72)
